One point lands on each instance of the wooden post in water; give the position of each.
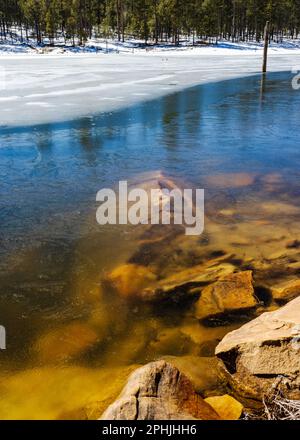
(266, 46)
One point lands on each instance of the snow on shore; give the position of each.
(137, 46)
(51, 87)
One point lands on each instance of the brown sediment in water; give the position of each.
(124, 292)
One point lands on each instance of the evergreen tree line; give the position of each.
(150, 20)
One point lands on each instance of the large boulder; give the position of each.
(264, 355)
(158, 391)
(232, 295)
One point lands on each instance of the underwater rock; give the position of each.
(286, 293)
(231, 180)
(294, 267)
(204, 373)
(271, 178)
(130, 279)
(276, 208)
(294, 244)
(231, 295)
(129, 347)
(171, 341)
(264, 355)
(226, 406)
(159, 244)
(158, 391)
(188, 282)
(140, 282)
(153, 241)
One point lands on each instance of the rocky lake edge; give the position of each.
(256, 365)
(260, 363)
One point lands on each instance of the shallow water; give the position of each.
(236, 139)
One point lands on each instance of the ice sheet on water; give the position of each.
(73, 86)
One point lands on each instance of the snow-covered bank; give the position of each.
(51, 88)
(96, 45)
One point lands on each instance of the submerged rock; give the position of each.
(204, 373)
(158, 391)
(231, 180)
(294, 244)
(226, 406)
(234, 294)
(287, 292)
(140, 282)
(130, 279)
(171, 340)
(264, 354)
(188, 282)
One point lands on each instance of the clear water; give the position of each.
(237, 139)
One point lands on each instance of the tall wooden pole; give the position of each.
(266, 46)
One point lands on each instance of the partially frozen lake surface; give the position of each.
(38, 89)
(238, 139)
(226, 127)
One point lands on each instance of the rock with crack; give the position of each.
(264, 355)
(231, 296)
(158, 391)
(187, 283)
(140, 282)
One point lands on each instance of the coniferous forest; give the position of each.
(153, 21)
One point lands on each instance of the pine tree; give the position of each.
(151, 20)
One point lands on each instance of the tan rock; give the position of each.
(158, 391)
(264, 354)
(226, 406)
(130, 279)
(234, 293)
(295, 267)
(188, 282)
(288, 292)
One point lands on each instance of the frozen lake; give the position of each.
(45, 89)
